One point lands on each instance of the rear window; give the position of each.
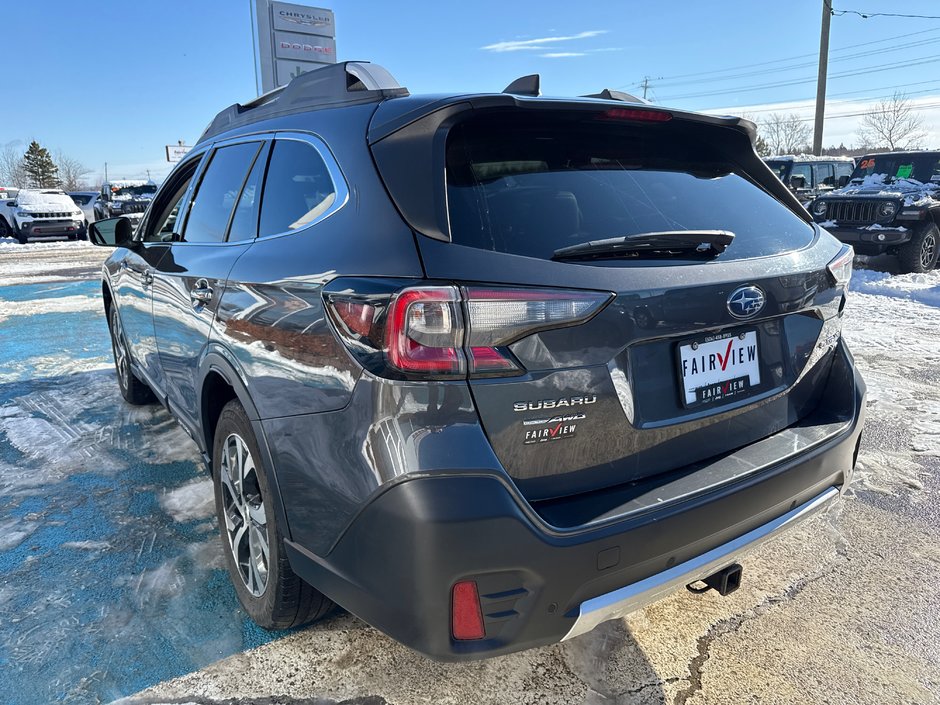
(529, 185)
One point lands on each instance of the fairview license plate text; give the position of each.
(719, 370)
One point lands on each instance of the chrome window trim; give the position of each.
(336, 175)
(314, 141)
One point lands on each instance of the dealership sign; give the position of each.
(291, 39)
(175, 152)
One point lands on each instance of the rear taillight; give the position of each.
(466, 615)
(424, 331)
(447, 331)
(841, 267)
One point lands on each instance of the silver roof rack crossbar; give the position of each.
(336, 84)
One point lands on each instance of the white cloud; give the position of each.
(539, 43)
(562, 54)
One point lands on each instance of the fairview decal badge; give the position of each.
(550, 433)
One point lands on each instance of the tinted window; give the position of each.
(804, 170)
(824, 175)
(218, 191)
(161, 224)
(529, 185)
(843, 169)
(298, 188)
(81, 200)
(245, 221)
(920, 167)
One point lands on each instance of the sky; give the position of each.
(117, 81)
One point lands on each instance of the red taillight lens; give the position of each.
(357, 317)
(635, 114)
(424, 331)
(445, 331)
(466, 621)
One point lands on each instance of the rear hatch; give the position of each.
(693, 350)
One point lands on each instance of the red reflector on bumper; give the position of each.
(466, 614)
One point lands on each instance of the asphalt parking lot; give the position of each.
(113, 586)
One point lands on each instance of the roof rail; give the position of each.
(348, 82)
(608, 94)
(525, 85)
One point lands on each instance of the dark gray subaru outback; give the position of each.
(486, 370)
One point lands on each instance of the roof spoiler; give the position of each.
(608, 94)
(335, 84)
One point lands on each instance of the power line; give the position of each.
(792, 58)
(839, 95)
(866, 15)
(859, 55)
(796, 82)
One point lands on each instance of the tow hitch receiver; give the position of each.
(725, 581)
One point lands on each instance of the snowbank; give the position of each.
(922, 288)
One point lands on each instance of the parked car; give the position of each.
(129, 197)
(486, 370)
(891, 205)
(809, 176)
(86, 200)
(41, 214)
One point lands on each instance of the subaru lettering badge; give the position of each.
(746, 301)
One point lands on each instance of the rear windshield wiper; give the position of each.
(667, 243)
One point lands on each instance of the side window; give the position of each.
(217, 192)
(843, 169)
(805, 171)
(245, 220)
(163, 214)
(824, 175)
(297, 190)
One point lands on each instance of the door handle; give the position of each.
(201, 294)
(146, 278)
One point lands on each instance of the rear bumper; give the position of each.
(395, 564)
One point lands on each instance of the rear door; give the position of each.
(695, 355)
(219, 223)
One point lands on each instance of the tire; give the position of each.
(5, 230)
(272, 594)
(133, 390)
(920, 254)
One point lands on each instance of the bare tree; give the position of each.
(892, 123)
(71, 172)
(785, 134)
(12, 169)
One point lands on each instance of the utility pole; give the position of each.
(106, 172)
(646, 85)
(821, 81)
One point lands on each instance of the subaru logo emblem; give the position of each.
(746, 301)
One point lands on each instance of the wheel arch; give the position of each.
(220, 383)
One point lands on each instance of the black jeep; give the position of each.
(890, 205)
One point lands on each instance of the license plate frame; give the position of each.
(728, 385)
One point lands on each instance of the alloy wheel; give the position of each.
(927, 249)
(121, 361)
(246, 525)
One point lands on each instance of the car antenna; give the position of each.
(525, 85)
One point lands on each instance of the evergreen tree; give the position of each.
(41, 171)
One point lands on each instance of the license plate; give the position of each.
(719, 369)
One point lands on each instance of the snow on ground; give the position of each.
(194, 500)
(892, 325)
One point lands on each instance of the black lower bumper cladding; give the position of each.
(397, 561)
